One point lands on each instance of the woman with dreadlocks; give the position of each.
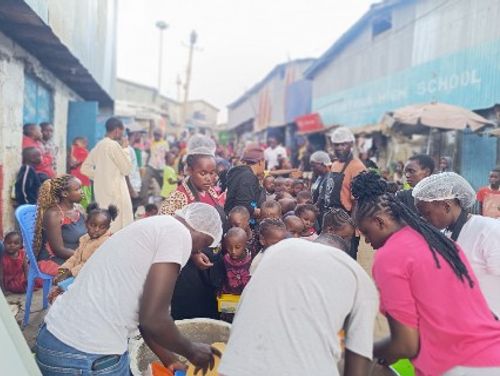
(437, 315)
(59, 225)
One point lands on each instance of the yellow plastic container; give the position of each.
(227, 303)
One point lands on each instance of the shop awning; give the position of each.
(369, 129)
(310, 123)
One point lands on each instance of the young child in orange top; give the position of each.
(98, 223)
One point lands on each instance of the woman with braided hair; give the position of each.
(59, 224)
(437, 315)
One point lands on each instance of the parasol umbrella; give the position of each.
(419, 118)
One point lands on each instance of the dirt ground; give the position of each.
(365, 258)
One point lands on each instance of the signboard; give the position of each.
(310, 123)
(469, 78)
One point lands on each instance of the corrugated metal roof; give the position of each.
(276, 70)
(351, 34)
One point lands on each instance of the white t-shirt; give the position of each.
(480, 240)
(100, 310)
(272, 155)
(293, 308)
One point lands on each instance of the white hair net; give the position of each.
(201, 145)
(203, 218)
(341, 135)
(321, 157)
(445, 186)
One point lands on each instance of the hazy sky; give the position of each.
(239, 41)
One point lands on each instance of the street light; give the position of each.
(162, 26)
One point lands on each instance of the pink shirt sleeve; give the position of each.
(392, 276)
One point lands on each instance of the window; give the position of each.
(381, 24)
(38, 101)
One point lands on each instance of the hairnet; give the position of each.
(321, 157)
(201, 145)
(203, 218)
(341, 135)
(445, 186)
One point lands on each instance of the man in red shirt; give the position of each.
(32, 137)
(489, 197)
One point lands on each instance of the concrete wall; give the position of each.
(88, 29)
(209, 112)
(14, 62)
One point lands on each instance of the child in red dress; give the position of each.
(237, 262)
(14, 264)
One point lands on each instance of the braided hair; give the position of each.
(50, 194)
(370, 192)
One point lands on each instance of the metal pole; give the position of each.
(193, 38)
(161, 25)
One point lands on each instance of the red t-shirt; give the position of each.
(14, 279)
(45, 166)
(455, 325)
(490, 201)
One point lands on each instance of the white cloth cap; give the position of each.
(341, 135)
(203, 218)
(321, 157)
(199, 144)
(445, 186)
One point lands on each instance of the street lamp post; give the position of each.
(192, 41)
(162, 26)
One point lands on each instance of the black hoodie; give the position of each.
(243, 189)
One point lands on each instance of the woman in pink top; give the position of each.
(437, 314)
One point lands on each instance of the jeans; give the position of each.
(54, 358)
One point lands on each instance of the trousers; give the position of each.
(55, 358)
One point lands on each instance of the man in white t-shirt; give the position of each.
(274, 153)
(291, 312)
(128, 284)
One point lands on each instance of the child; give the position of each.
(98, 223)
(279, 184)
(237, 261)
(288, 184)
(270, 209)
(14, 264)
(309, 214)
(282, 195)
(271, 231)
(294, 226)
(338, 222)
(297, 187)
(304, 197)
(170, 178)
(78, 154)
(489, 196)
(150, 210)
(268, 184)
(288, 206)
(28, 181)
(239, 216)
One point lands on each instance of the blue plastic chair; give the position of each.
(26, 217)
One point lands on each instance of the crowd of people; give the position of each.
(179, 230)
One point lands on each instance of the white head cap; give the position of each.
(445, 186)
(201, 145)
(321, 157)
(341, 135)
(203, 218)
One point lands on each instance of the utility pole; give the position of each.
(192, 41)
(162, 26)
(179, 87)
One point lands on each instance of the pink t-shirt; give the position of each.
(455, 325)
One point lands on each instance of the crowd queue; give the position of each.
(178, 230)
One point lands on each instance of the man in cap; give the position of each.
(320, 164)
(243, 187)
(128, 285)
(344, 170)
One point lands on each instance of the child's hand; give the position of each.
(63, 274)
